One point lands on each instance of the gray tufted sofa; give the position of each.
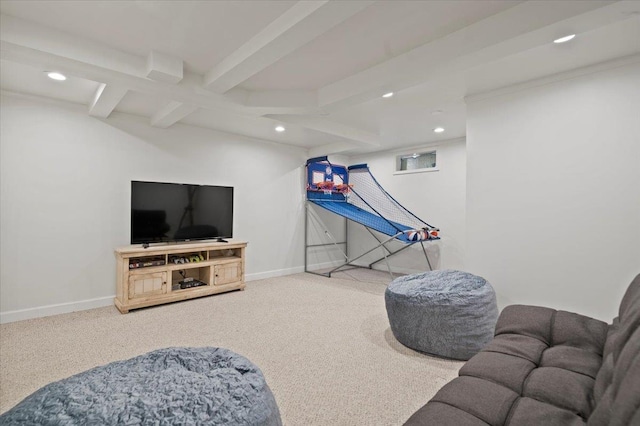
(548, 367)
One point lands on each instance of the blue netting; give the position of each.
(368, 195)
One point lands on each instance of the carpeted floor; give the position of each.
(324, 346)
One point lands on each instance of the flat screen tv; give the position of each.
(166, 212)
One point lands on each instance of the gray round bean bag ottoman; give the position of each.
(174, 386)
(447, 313)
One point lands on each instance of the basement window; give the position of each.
(416, 162)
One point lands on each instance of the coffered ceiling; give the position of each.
(318, 68)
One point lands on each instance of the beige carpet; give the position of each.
(323, 344)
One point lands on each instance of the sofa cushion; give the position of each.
(529, 411)
(437, 413)
(578, 331)
(506, 370)
(488, 401)
(531, 321)
(518, 345)
(562, 388)
(572, 359)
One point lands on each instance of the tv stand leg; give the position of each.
(121, 308)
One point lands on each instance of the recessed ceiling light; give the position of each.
(56, 76)
(439, 129)
(280, 129)
(387, 95)
(415, 155)
(564, 39)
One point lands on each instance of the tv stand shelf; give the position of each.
(152, 276)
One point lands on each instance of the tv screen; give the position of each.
(163, 212)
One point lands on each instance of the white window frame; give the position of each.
(399, 158)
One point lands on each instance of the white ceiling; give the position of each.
(383, 30)
(201, 33)
(316, 67)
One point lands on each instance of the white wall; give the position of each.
(65, 198)
(553, 191)
(437, 197)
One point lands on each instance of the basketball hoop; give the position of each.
(325, 186)
(343, 188)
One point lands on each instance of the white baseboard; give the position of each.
(289, 271)
(406, 271)
(275, 273)
(325, 265)
(100, 302)
(60, 308)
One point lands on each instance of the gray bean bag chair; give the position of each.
(446, 313)
(185, 386)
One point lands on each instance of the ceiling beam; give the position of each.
(30, 44)
(163, 67)
(359, 137)
(334, 148)
(105, 100)
(187, 91)
(300, 24)
(266, 102)
(28, 34)
(522, 27)
(45, 48)
(23, 42)
(171, 113)
(281, 98)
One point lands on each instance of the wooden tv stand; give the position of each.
(148, 277)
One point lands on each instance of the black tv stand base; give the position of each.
(221, 240)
